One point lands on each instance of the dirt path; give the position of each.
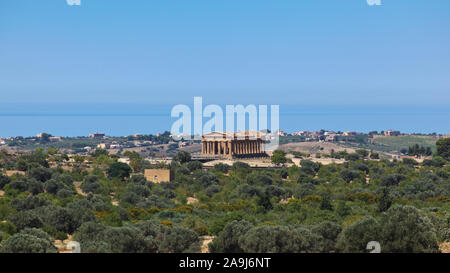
(206, 241)
(445, 247)
(78, 188)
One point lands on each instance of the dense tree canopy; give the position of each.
(402, 204)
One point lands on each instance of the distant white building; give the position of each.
(330, 137)
(350, 133)
(97, 135)
(301, 133)
(392, 133)
(104, 146)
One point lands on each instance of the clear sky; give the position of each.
(228, 51)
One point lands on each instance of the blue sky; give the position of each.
(228, 51)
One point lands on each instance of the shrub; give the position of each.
(279, 239)
(119, 170)
(179, 240)
(329, 232)
(228, 239)
(26, 219)
(182, 157)
(407, 230)
(29, 241)
(194, 165)
(355, 237)
(221, 167)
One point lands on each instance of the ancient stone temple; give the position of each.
(243, 144)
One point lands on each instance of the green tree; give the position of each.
(329, 232)
(443, 148)
(279, 157)
(99, 152)
(349, 175)
(4, 180)
(179, 240)
(137, 164)
(40, 174)
(26, 219)
(325, 203)
(119, 169)
(26, 243)
(279, 239)
(221, 167)
(385, 200)
(228, 239)
(408, 230)
(52, 150)
(182, 157)
(342, 209)
(354, 238)
(131, 154)
(363, 153)
(194, 165)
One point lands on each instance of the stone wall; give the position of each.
(157, 175)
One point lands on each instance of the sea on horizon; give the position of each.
(121, 120)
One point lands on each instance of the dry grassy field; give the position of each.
(314, 147)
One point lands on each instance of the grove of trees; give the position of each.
(109, 207)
